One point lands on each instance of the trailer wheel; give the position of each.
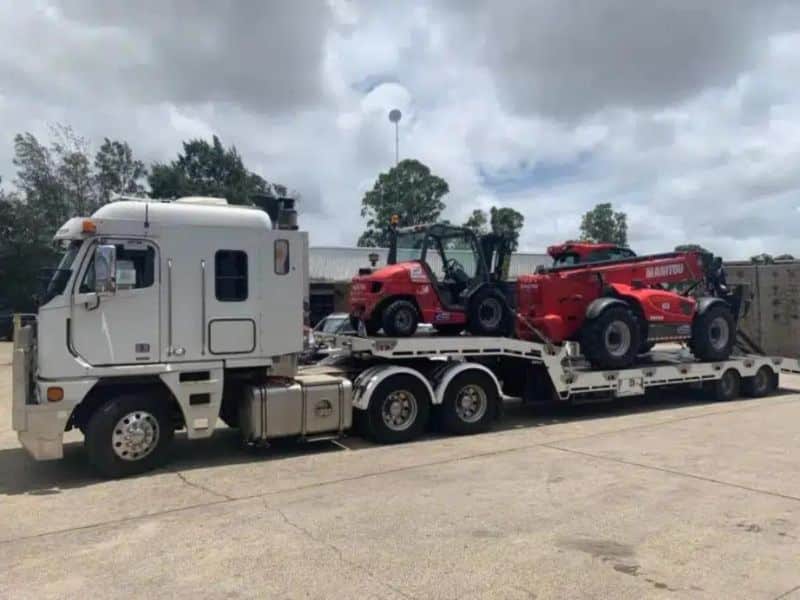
(129, 434)
(763, 383)
(400, 319)
(611, 340)
(713, 334)
(470, 403)
(488, 313)
(726, 387)
(398, 410)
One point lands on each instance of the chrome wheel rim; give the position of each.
(135, 435)
(399, 410)
(618, 338)
(471, 403)
(490, 312)
(719, 333)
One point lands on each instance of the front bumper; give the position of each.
(40, 426)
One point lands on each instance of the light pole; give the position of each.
(395, 116)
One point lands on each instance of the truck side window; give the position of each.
(281, 257)
(230, 275)
(135, 268)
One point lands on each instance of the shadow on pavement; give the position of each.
(20, 474)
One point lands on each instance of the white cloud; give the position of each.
(683, 114)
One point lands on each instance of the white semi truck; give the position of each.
(164, 316)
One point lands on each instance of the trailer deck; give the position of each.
(570, 374)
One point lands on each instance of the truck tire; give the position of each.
(129, 434)
(470, 403)
(611, 340)
(400, 319)
(763, 383)
(725, 388)
(488, 313)
(398, 410)
(713, 334)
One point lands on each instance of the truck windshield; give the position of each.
(53, 281)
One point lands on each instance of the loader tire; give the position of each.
(713, 334)
(612, 339)
(400, 319)
(488, 314)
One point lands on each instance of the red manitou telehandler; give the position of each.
(439, 274)
(619, 308)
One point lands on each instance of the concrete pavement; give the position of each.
(667, 496)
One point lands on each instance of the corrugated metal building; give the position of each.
(331, 269)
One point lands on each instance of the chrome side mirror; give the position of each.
(105, 269)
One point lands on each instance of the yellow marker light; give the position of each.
(89, 226)
(395, 219)
(55, 394)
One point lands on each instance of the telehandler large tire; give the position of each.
(612, 339)
(713, 333)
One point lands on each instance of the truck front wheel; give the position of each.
(398, 410)
(129, 434)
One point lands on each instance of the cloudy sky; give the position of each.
(683, 113)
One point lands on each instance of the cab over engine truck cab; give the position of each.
(438, 274)
(154, 313)
(618, 308)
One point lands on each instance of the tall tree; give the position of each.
(409, 190)
(602, 224)
(690, 248)
(53, 183)
(209, 170)
(478, 222)
(116, 171)
(502, 221)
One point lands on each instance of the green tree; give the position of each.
(116, 171)
(690, 248)
(205, 169)
(478, 222)
(602, 224)
(53, 183)
(762, 259)
(502, 221)
(409, 190)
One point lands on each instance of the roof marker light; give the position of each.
(89, 226)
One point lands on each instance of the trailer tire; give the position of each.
(469, 404)
(488, 313)
(129, 434)
(725, 388)
(713, 333)
(398, 410)
(400, 319)
(611, 340)
(763, 383)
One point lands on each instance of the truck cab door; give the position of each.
(119, 326)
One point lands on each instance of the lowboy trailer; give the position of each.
(168, 316)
